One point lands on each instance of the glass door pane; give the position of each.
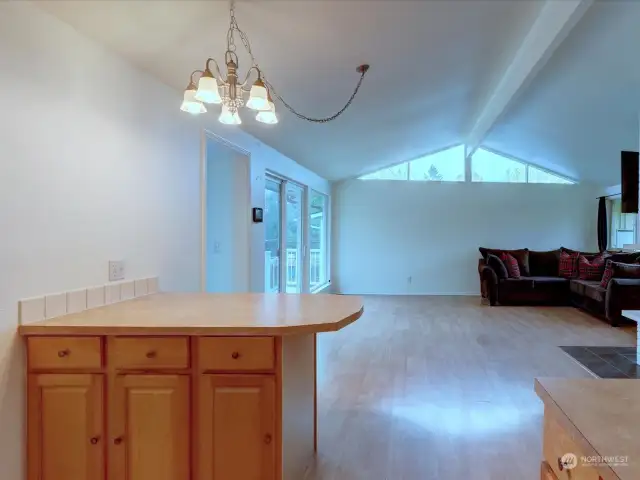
(317, 241)
(293, 257)
(272, 228)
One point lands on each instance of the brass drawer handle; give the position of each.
(64, 353)
(235, 355)
(95, 440)
(152, 354)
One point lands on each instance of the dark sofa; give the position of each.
(540, 284)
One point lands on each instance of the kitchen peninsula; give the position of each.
(591, 429)
(177, 386)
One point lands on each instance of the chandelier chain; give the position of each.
(233, 26)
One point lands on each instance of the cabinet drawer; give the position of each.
(59, 353)
(236, 353)
(558, 443)
(148, 352)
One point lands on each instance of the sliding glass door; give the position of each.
(294, 238)
(318, 240)
(272, 234)
(296, 253)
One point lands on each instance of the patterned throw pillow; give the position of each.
(591, 269)
(512, 265)
(568, 264)
(607, 275)
(498, 266)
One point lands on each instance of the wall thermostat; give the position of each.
(257, 215)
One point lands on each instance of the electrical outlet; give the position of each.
(116, 270)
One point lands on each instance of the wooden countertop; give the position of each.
(603, 415)
(209, 314)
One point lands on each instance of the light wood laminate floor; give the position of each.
(442, 388)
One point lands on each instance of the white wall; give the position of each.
(96, 163)
(228, 219)
(386, 231)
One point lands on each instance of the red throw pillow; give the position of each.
(568, 264)
(607, 275)
(512, 265)
(591, 269)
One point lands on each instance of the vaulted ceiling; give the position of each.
(437, 78)
(583, 108)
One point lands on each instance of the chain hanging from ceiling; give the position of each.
(227, 91)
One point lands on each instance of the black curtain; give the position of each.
(602, 224)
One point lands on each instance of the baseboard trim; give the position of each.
(414, 294)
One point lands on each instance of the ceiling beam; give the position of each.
(551, 27)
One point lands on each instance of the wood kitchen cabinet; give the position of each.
(65, 427)
(170, 408)
(149, 427)
(178, 387)
(237, 429)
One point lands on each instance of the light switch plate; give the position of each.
(116, 270)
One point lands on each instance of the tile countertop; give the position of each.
(209, 314)
(602, 415)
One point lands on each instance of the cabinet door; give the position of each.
(65, 427)
(237, 434)
(149, 428)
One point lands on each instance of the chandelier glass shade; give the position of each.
(226, 90)
(189, 103)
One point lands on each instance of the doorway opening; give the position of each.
(226, 223)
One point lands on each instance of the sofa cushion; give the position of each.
(607, 275)
(591, 269)
(517, 284)
(624, 257)
(579, 286)
(511, 263)
(498, 266)
(522, 256)
(625, 270)
(619, 270)
(549, 280)
(544, 264)
(568, 264)
(595, 292)
(586, 254)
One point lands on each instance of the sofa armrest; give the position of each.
(488, 283)
(622, 294)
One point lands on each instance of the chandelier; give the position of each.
(215, 88)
